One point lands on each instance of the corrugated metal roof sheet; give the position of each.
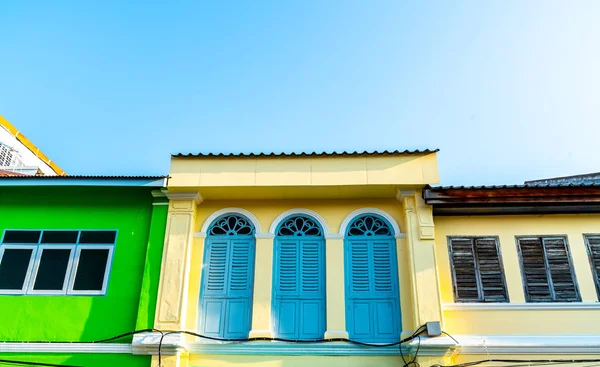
(537, 185)
(308, 154)
(588, 178)
(80, 177)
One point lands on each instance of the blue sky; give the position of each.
(508, 90)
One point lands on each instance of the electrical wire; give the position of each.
(451, 337)
(26, 363)
(532, 361)
(407, 339)
(412, 362)
(417, 332)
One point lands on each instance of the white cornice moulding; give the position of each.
(185, 196)
(529, 344)
(148, 343)
(64, 348)
(521, 306)
(296, 349)
(159, 193)
(405, 193)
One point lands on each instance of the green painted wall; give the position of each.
(87, 318)
(81, 360)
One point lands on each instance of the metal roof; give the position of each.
(82, 180)
(309, 154)
(588, 178)
(80, 177)
(524, 186)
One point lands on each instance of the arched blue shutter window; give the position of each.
(227, 278)
(299, 279)
(371, 272)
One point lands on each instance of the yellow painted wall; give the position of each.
(266, 211)
(520, 321)
(292, 361)
(414, 169)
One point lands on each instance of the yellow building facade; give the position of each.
(333, 191)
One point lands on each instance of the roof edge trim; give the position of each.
(305, 154)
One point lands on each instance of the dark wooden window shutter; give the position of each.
(548, 274)
(593, 247)
(477, 271)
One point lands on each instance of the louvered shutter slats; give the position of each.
(311, 265)
(593, 247)
(547, 270)
(382, 267)
(217, 267)
(239, 265)
(534, 268)
(560, 270)
(477, 270)
(359, 267)
(463, 260)
(490, 270)
(288, 267)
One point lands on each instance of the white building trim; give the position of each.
(296, 211)
(521, 306)
(251, 217)
(65, 348)
(531, 344)
(354, 214)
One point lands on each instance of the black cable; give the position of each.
(261, 338)
(414, 361)
(534, 361)
(117, 336)
(451, 337)
(25, 363)
(417, 332)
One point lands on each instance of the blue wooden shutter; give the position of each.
(385, 287)
(239, 302)
(299, 289)
(226, 294)
(286, 305)
(312, 290)
(373, 310)
(214, 288)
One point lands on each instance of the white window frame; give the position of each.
(33, 248)
(36, 267)
(75, 266)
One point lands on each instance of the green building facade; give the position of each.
(80, 262)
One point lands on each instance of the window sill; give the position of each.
(521, 306)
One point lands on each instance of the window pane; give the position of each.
(21, 236)
(98, 237)
(90, 271)
(52, 270)
(13, 268)
(59, 237)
